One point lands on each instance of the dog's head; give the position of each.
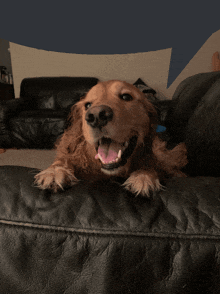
(116, 120)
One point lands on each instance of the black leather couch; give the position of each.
(194, 117)
(98, 238)
(39, 116)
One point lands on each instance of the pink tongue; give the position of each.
(107, 154)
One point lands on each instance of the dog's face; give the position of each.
(116, 118)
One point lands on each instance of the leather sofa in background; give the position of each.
(193, 117)
(39, 116)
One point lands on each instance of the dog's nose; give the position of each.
(99, 116)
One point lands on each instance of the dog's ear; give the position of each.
(72, 136)
(74, 115)
(153, 115)
(151, 111)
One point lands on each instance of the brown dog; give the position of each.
(112, 133)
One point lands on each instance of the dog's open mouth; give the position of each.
(113, 154)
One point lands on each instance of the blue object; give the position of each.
(160, 129)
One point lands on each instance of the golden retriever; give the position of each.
(112, 133)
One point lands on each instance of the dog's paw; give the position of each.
(142, 182)
(55, 178)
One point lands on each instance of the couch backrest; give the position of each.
(60, 92)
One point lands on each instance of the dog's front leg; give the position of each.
(141, 182)
(56, 177)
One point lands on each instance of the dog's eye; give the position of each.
(87, 105)
(126, 97)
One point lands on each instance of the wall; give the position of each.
(201, 62)
(152, 67)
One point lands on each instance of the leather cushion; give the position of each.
(67, 98)
(35, 87)
(37, 130)
(46, 102)
(98, 238)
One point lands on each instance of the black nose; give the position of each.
(99, 116)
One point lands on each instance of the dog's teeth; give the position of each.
(126, 144)
(99, 156)
(119, 154)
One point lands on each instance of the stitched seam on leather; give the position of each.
(110, 232)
